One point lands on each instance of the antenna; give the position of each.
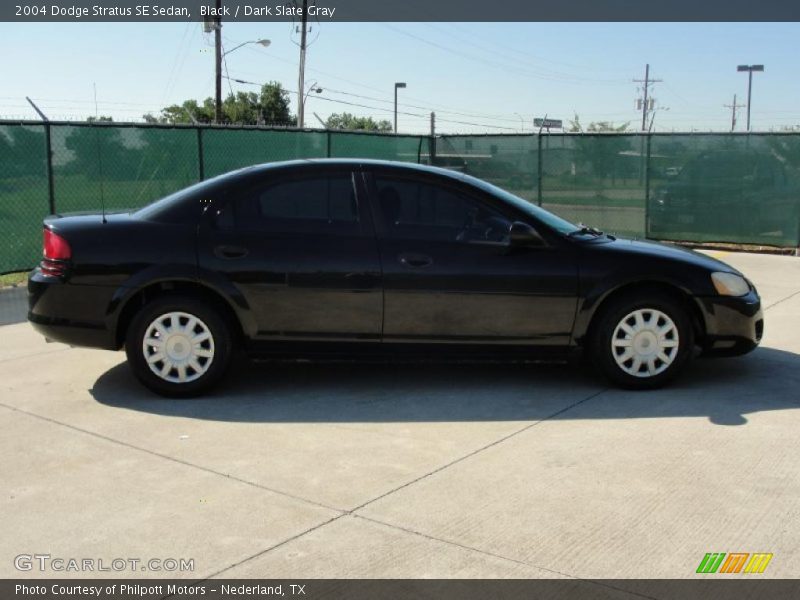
(100, 165)
(99, 158)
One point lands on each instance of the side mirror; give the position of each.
(523, 235)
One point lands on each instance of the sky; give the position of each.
(477, 77)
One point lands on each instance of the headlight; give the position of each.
(730, 284)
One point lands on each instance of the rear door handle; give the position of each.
(417, 261)
(230, 252)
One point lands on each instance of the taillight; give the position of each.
(56, 253)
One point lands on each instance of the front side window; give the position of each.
(420, 210)
(320, 204)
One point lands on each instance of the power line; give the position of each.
(387, 110)
(428, 107)
(555, 76)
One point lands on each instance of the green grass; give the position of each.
(13, 279)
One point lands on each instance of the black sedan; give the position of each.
(361, 259)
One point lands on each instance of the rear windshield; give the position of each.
(175, 202)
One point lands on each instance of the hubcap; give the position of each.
(645, 343)
(178, 347)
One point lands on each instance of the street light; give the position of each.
(313, 88)
(219, 55)
(264, 43)
(396, 87)
(749, 69)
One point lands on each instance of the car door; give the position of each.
(449, 274)
(299, 248)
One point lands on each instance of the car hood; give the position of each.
(671, 252)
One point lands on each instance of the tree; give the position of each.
(352, 122)
(270, 106)
(597, 126)
(274, 105)
(603, 154)
(94, 147)
(22, 152)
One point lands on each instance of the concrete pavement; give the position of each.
(407, 471)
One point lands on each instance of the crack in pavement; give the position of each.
(351, 512)
(789, 297)
(32, 354)
(342, 513)
(493, 554)
(173, 459)
(480, 449)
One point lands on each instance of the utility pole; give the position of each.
(218, 63)
(301, 85)
(749, 69)
(397, 86)
(734, 108)
(432, 141)
(647, 82)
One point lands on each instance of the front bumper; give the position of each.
(733, 325)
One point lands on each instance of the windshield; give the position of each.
(548, 218)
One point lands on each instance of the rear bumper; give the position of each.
(68, 313)
(734, 326)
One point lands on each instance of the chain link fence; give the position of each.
(124, 167)
(739, 188)
(731, 188)
(23, 195)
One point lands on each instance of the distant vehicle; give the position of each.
(502, 173)
(726, 195)
(363, 259)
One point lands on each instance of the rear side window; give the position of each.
(321, 204)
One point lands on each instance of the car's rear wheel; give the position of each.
(643, 342)
(178, 346)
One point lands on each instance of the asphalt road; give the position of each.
(407, 471)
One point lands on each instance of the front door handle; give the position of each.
(417, 261)
(230, 252)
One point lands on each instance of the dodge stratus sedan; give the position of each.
(357, 259)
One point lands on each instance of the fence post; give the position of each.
(647, 187)
(328, 144)
(49, 166)
(201, 170)
(539, 168)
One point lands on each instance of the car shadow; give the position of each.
(723, 390)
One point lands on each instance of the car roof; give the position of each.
(351, 163)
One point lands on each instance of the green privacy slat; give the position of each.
(510, 162)
(23, 195)
(127, 167)
(597, 180)
(722, 188)
(228, 149)
(690, 187)
(355, 145)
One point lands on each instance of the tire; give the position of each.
(650, 329)
(176, 368)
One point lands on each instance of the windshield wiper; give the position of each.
(584, 230)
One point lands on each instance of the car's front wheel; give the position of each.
(178, 346)
(643, 342)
